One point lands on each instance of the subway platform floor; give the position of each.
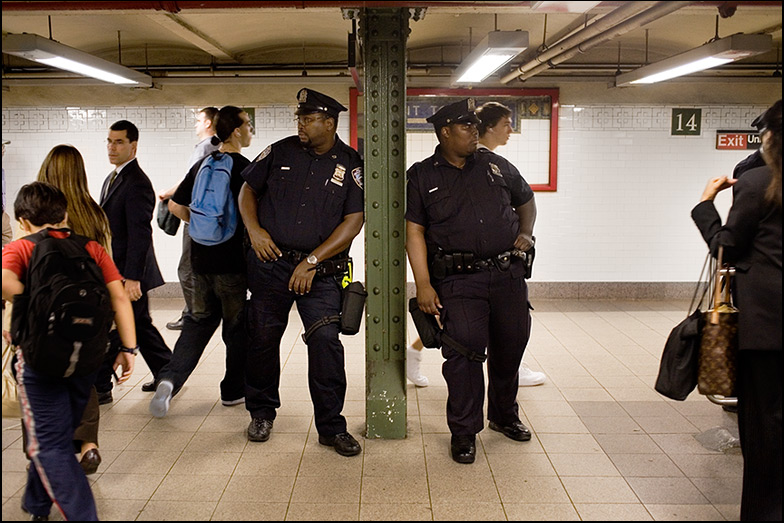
(605, 445)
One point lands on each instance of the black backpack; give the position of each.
(61, 321)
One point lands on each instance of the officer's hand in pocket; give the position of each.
(262, 243)
(302, 279)
(427, 299)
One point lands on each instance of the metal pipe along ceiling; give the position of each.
(635, 22)
(624, 19)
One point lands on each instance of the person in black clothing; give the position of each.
(303, 204)
(219, 281)
(751, 238)
(467, 214)
(128, 200)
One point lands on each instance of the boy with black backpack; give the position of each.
(64, 288)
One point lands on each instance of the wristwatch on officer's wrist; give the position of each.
(312, 259)
(130, 350)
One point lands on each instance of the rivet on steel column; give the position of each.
(384, 33)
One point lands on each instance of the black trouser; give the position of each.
(185, 270)
(151, 345)
(486, 310)
(759, 423)
(216, 298)
(268, 315)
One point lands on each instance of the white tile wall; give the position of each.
(621, 212)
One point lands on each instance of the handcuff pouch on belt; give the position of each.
(433, 336)
(352, 301)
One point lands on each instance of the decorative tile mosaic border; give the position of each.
(275, 117)
(80, 119)
(636, 117)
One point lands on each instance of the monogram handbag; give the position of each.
(719, 344)
(680, 359)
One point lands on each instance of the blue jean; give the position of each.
(215, 297)
(268, 316)
(51, 410)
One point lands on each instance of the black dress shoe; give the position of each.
(90, 461)
(344, 443)
(150, 386)
(33, 517)
(464, 449)
(105, 397)
(175, 325)
(516, 431)
(259, 429)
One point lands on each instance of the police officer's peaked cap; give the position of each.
(311, 101)
(458, 112)
(757, 123)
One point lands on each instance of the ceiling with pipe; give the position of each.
(201, 39)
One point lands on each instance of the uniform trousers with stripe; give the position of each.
(486, 312)
(51, 410)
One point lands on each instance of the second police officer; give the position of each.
(467, 214)
(302, 204)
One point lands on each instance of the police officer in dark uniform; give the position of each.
(753, 160)
(302, 204)
(469, 220)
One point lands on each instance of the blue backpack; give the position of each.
(213, 211)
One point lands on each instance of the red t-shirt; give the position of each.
(16, 257)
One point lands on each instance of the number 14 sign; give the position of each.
(686, 122)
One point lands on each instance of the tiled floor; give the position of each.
(606, 446)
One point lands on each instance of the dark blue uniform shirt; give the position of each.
(470, 209)
(303, 196)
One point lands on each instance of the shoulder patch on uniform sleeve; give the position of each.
(263, 154)
(356, 174)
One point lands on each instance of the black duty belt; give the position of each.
(324, 268)
(446, 264)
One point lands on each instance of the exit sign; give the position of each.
(737, 140)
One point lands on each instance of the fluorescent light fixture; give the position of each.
(495, 50)
(712, 54)
(563, 7)
(54, 54)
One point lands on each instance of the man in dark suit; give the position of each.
(128, 199)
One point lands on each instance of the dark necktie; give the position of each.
(109, 185)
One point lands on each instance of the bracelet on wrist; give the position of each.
(130, 350)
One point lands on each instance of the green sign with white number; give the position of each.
(686, 122)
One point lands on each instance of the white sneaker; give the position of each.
(529, 378)
(159, 405)
(413, 359)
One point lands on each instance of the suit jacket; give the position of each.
(129, 206)
(752, 242)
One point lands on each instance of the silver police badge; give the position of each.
(356, 174)
(338, 175)
(303, 96)
(495, 170)
(471, 104)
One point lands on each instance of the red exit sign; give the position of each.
(737, 140)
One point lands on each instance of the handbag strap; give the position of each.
(714, 316)
(699, 284)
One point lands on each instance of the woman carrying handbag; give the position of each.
(751, 241)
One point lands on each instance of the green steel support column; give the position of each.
(384, 33)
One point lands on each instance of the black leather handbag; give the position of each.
(166, 220)
(680, 359)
